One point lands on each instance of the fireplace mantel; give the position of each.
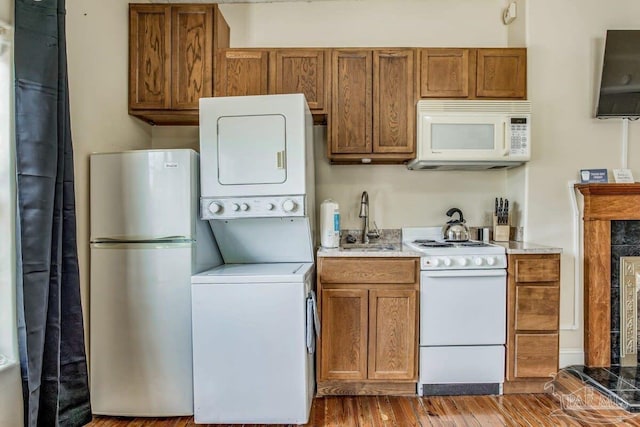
(603, 203)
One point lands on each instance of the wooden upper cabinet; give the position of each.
(192, 53)
(172, 59)
(303, 71)
(393, 101)
(501, 73)
(373, 97)
(468, 73)
(242, 72)
(149, 56)
(446, 73)
(351, 102)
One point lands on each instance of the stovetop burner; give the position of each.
(429, 243)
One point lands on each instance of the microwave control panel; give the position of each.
(520, 134)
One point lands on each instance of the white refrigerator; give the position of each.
(146, 242)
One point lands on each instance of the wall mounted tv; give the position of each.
(620, 83)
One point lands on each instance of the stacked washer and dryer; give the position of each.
(253, 317)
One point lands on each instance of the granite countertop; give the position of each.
(390, 239)
(514, 247)
(399, 251)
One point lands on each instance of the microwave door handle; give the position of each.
(505, 147)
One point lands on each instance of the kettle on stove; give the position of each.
(455, 230)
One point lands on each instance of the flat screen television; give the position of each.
(619, 94)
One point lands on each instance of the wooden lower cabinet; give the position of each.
(344, 334)
(369, 326)
(533, 312)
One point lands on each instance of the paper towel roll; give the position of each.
(329, 224)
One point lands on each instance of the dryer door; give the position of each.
(251, 150)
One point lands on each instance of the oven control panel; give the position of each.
(463, 262)
(252, 207)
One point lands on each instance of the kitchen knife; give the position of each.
(506, 211)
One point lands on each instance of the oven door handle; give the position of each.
(466, 273)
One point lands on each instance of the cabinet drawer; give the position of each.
(537, 308)
(538, 270)
(536, 355)
(369, 270)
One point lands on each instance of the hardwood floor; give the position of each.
(570, 402)
(451, 411)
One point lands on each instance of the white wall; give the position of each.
(398, 197)
(97, 50)
(564, 40)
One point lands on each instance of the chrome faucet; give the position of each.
(364, 213)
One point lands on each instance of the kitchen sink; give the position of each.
(370, 247)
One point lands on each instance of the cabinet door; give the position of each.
(303, 71)
(149, 56)
(444, 73)
(537, 308)
(501, 73)
(192, 55)
(392, 334)
(242, 72)
(536, 355)
(351, 97)
(393, 101)
(344, 334)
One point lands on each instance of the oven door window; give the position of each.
(463, 307)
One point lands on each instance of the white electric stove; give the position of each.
(463, 291)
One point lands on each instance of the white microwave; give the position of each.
(472, 134)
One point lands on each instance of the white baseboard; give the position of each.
(571, 356)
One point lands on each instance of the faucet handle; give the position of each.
(375, 232)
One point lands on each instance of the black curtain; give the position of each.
(50, 327)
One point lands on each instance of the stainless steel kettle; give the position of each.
(455, 230)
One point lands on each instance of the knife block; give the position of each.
(500, 231)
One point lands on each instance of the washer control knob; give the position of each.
(269, 206)
(477, 261)
(234, 207)
(463, 261)
(491, 260)
(215, 207)
(244, 207)
(289, 205)
(447, 262)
